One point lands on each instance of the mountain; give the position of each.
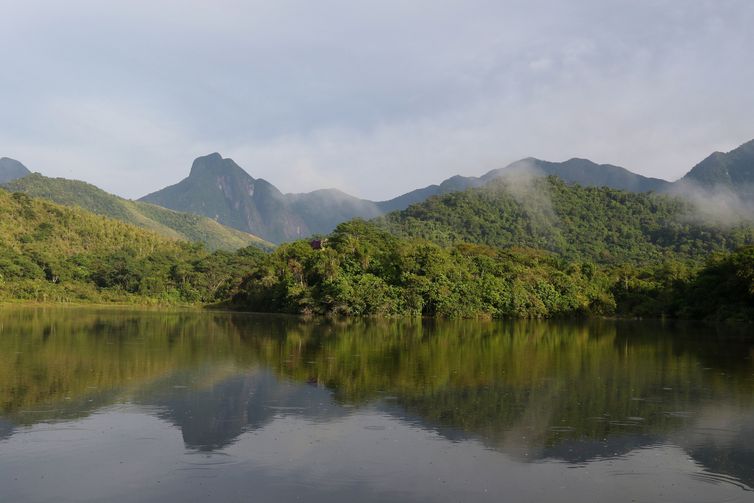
(584, 223)
(168, 223)
(733, 170)
(221, 190)
(581, 171)
(585, 173)
(456, 183)
(11, 169)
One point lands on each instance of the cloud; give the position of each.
(373, 100)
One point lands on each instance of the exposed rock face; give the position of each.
(220, 189)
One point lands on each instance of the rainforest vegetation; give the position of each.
(560, 251)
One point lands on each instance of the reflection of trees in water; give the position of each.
(572, 391)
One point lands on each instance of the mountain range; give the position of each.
(219, 189)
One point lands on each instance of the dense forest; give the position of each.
(562, 251)
(603, 225)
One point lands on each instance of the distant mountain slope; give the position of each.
(220, 189)
(585, 173)
(581, 171)
(163, 221)
(53, 252)
(600, 224)
(456, 183)
(322, 210)
(733, 170)
(11, 169)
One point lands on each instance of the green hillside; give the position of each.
(585, 223)
(50, 252)
(163, 221)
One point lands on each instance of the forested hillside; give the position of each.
(168, 223)
(55, 253)
(50, 252)
(363, 270)
(581, 223)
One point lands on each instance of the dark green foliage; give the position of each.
(61, 254)
(603, 225)
(721, 290)
(363, 270)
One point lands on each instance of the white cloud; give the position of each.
(374, 100)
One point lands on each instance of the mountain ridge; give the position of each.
(163, 221)
(733, 170)
(220, 189)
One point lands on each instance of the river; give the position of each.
(125, 405)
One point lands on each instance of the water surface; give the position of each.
(121, 405)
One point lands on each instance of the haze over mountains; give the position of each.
(733, 170)
(221, 190)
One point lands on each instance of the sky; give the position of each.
(374, 98)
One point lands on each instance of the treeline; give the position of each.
(60, 254)
(364, 270)
(722, 289)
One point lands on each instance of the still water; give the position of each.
(119, 405)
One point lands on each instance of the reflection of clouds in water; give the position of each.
(337, 407)
(720, 437)
(364, 456)
(217, 417)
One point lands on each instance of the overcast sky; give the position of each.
(375, 98)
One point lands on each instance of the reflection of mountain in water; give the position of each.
(568, 391)
(6, 429)
(213, 417)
